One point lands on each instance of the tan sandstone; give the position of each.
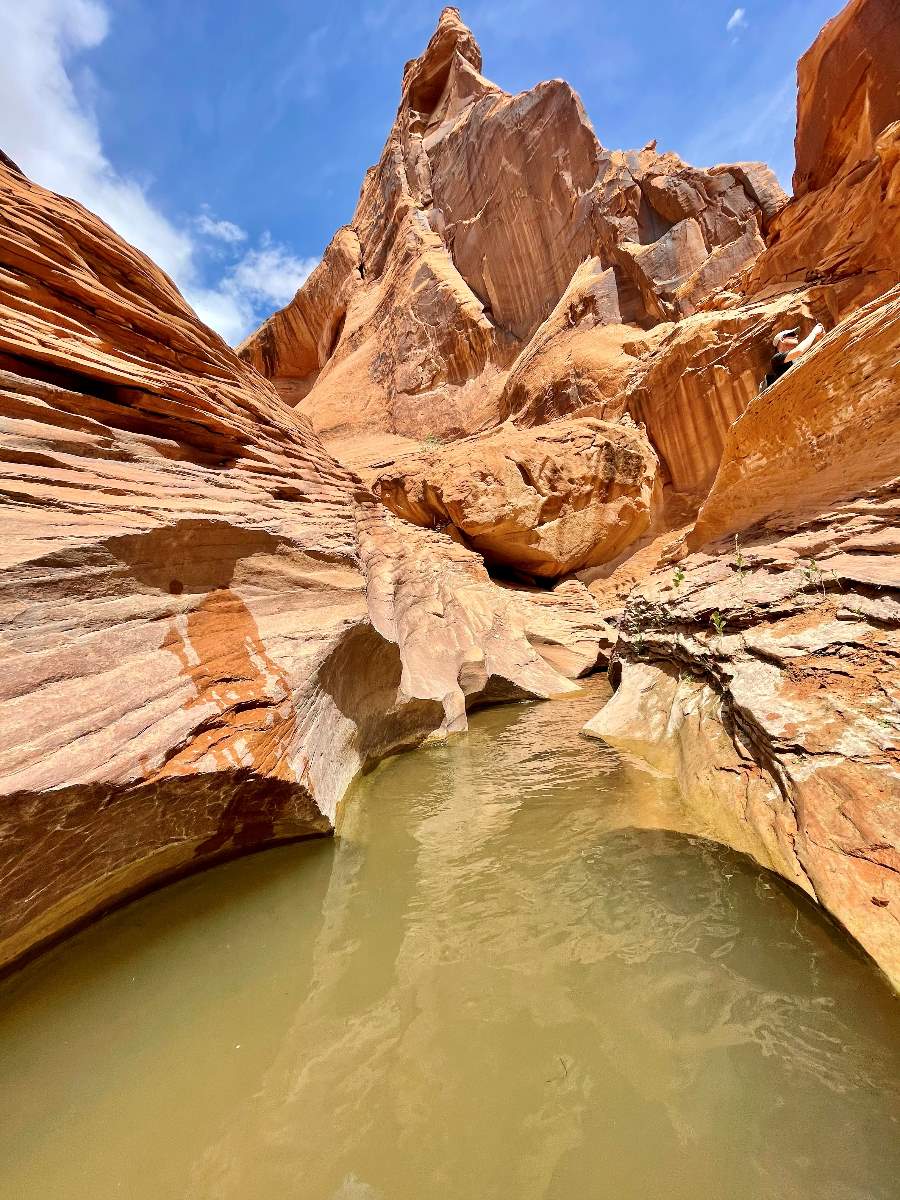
(208, 625)
(543, 501)
(471, 227)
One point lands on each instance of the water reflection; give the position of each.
(508, 977)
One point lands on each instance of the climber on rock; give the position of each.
(788, 348)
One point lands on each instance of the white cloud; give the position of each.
(269, 273)
(737, 20)
(223, 231)
(263, 279)
(51, 132)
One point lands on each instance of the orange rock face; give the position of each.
(473, 229)
(294, 345)
(704, 370)
(544, 356)
(847, 84)
(758, 666)
(843, 227)
(545, 501)
(826, 430)
(208, 625)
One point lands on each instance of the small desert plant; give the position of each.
(740, 563)
(638, 628)
(814, 575)
(678, 577)
(639, 641)
(718, 623)
(432, 439)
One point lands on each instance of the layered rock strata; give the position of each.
(545, 356)
(587, 289)
(761, 670)
(208, 625)
(470, 229)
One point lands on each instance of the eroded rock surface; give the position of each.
(843, 227)
(545, 501)
(702, 373)
(481, 210)
(761, 671)
(545, 356)
(207, 624)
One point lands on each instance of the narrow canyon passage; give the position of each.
(507, 977)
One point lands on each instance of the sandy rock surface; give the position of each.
(762, 675)
(208, 624)
(543, 356)
(760, 670)
(485, 213)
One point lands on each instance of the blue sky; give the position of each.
(229, 138)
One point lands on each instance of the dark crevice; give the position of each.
(61, 377)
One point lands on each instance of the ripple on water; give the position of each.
(507, 976)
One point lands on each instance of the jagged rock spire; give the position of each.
(424, 77)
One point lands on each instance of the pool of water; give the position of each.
(506, 978)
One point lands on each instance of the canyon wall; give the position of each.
(230, 580)
(758, 663)
(485, 213)
(208, 624)
(551, 351)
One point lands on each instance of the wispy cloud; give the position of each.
(269, 273)
(222, 231)
(748, 129)
(737, 21)
(48, 126)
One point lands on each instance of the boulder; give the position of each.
(543, 501)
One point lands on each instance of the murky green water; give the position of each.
(501, 982)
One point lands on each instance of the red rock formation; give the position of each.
(294, 345)
(580, 359)
(843, 226)
(210, 624)
(847, 86)
(471, 227)
(761, 674)
(545, 501)
(760, 671)
(825, 431)
(193, 666)
(703, 372)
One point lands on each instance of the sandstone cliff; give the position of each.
(228, 581)
(208, 625)
(552, 351)
(467, 234)
(761, 669)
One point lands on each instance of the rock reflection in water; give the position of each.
(508, 977)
